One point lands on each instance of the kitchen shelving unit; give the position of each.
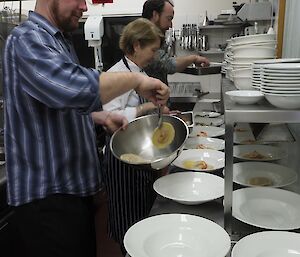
(235, 113)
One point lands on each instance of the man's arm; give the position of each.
(183, 61)
(113, 84)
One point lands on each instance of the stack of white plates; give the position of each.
(244, 51)
(256, 68)
(280, 83)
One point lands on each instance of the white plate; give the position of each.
(208, 131)
(243, 134)
(271, 153)
(280, 60)
(268, 244)
(170, 235)
(205, 121)
(207, 114)
(214, 159)
(204, 143)
(283, 72)
(267, 207)
(280, 176)
(280, 81)
(190, 188)
(283, 66)
(277, 76)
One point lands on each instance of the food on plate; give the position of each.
(255, 155)
(201, 165)
(133, 158)
(202, 146)
(240, 130)
(202, 134)
(249, 141)
(260, 181)
(164, 135)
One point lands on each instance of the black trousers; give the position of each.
(57, 226)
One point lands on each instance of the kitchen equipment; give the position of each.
(176, 235)
(137, 139)
(187, 117)
(204, 43)
(190, 188)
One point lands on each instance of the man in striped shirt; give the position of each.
(51, 158)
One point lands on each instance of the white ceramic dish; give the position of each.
(245, 173)
(190, 188)
(242, 83)
(258, 152)
(214, 159)
(207, 114)
(283, 101)
(205, 121)
(207, 131)
(253, 38)
(267, 43)
(170, 235)
(245, 96)
(205, 143)
(283, 66)
(268, 244)
(258, 52)
(279, 60)
(245, 72)
(266, 207)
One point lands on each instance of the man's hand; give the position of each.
(153, 90)
(110, 120)
(201, 61)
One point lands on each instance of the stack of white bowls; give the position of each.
(256, 68)
(246, 50)
(280, 83)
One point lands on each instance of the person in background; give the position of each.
(52, 165)
(129, 189)
(161, 13)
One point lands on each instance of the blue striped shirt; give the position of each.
(49, 134)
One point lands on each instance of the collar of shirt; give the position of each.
(133, 67)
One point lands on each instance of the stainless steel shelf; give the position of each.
(220, 26)
(263, 112)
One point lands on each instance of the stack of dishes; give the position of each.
(245, 50)
(280, 83)
(256, 68)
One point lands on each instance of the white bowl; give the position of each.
(243, 83)
(267, 207)
(284, 102)
(214, 159)
(190, 188)
(244, 72)
(253, 38)
(268, 244)
(254, 52)
(244, 173)
(247, 59)
(245, 96)
(269, 153)
(207, 131)
(176, 235)
(204, 143)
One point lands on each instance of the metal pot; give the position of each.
(137, 139)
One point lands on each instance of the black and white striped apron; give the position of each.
(130, 192)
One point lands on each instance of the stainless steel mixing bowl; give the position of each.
(137, 139)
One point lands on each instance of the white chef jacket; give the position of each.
(125, 104)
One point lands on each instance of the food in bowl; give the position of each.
(260, 181)
(164, 135)
(202, 134)
(133, 158)
(202, 165)
(255, 155)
